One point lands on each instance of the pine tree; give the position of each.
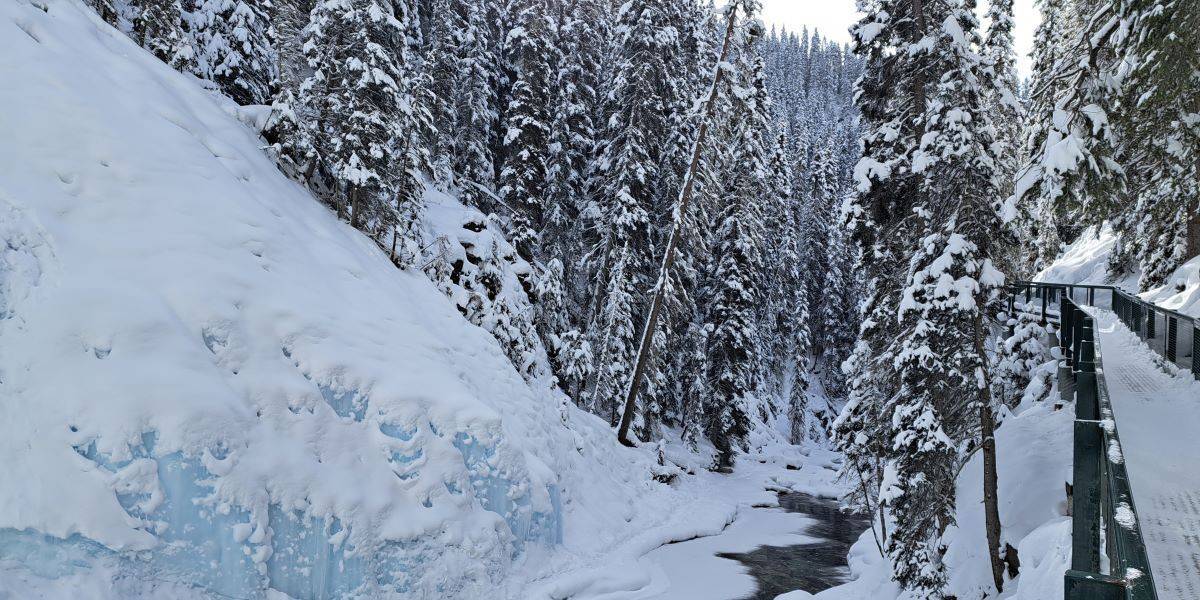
(356, 52)
(817, 218)
(736, 344)
(441, 62)
(945, 311)
(790, 303)
(527, 125)
(1158, 132)
(880, 220)
(734, 348)
(1024, 368)
(569, 353)
(290, 125)
(1070, 173)
(159, 29)
(233, 47)
(1007, 110)
(639, 99)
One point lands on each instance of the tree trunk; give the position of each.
(987, 434)
(664, 272)
(1193, 232)
(354, 207)
(922, 25)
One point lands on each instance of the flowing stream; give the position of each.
(810, 567)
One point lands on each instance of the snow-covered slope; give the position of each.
(206, 379)
(1086, 260)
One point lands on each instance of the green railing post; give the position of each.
(1171, 340)
(1044, 292)
(1066, 376)
(1082, 585)
(1085, 497)
(1086, 406)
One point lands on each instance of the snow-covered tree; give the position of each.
(619, 263)
(527, 123)
(159, 29)
(1024, 368)
(734, 345)
(233, 47)
(357, 52)
(1157, 125)
(891, 41)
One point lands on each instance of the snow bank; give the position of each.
(1034, 459)
(1085, 260)
(207, 380)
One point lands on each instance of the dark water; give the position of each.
(809, 567)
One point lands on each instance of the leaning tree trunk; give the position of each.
(987, 434)
(664, 272)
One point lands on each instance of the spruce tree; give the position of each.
(158, 28)
(619, 263)
(357, 52)
(1158, 128)
(945, 312)
(891, 98)
(233, 47)
(736, 344)
(527, 125)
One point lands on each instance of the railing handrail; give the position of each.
(1101, 487)
(1116, 290)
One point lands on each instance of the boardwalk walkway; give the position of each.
(1157, 410)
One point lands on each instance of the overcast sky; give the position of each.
(833, 17)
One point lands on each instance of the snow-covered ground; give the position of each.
(1034, 459)
(732, 513)
(1085, 260)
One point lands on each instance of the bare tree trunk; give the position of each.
(354, 209)
(922, 26)
(392, 254)
(866, 492)
(1193, 232)
(987, 433)
(664, 272)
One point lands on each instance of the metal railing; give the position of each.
(1108, 552)
(1171, 334)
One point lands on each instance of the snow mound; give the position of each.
(207, 381)
(1085, 260)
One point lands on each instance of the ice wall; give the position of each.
(205, 542)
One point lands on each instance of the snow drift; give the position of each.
(206, 379)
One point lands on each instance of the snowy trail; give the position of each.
(1158, 416)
